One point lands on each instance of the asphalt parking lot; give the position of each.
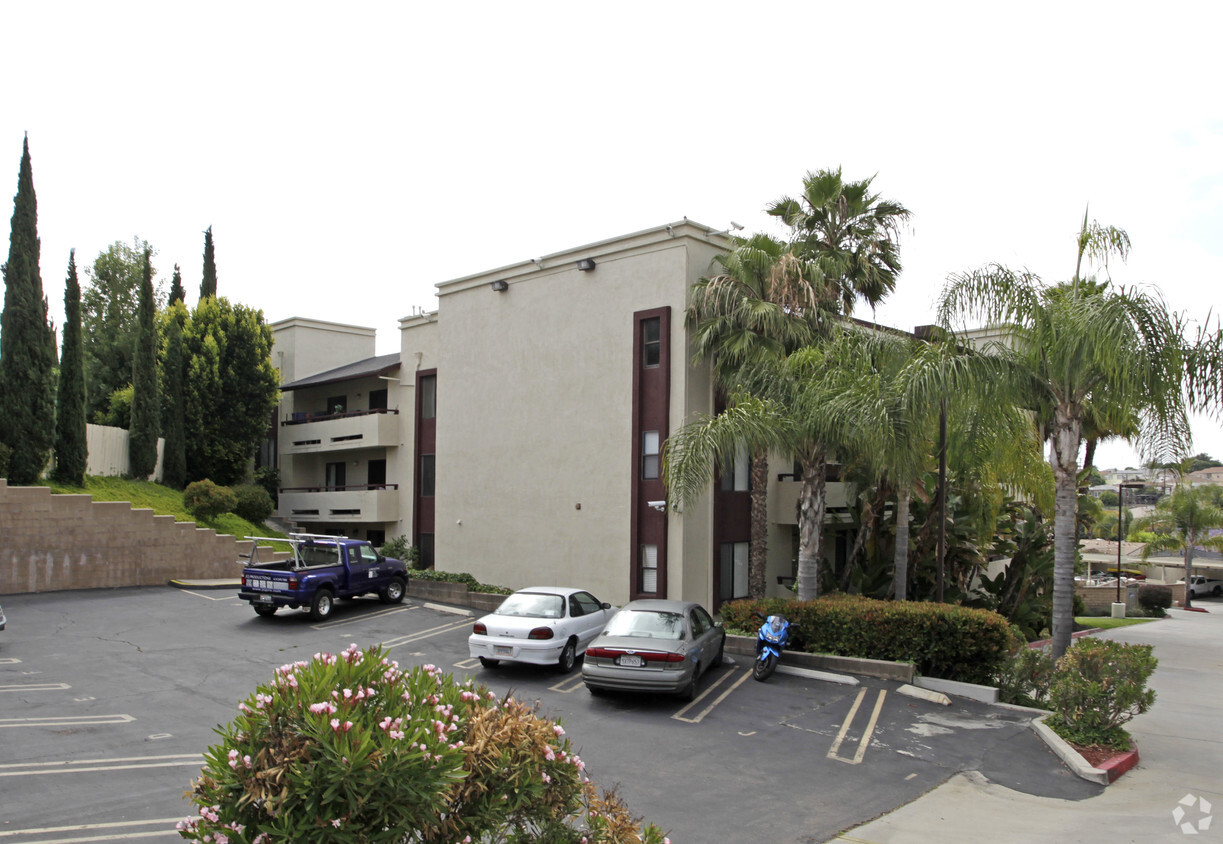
(110, 697)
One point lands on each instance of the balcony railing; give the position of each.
(350, 503)
(306, 433)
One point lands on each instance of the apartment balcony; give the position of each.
(783, 500)
(350, 504)
(314, 433)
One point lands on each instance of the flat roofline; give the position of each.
(657, 234)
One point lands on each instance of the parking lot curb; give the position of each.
(1076, 763)
(900, 671)
(220, 583)
(812, 674)
(924, 694)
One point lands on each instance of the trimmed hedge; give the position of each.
(472, 584)
(941, 640)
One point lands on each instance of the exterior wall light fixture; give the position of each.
(500, 285)
(586, 264)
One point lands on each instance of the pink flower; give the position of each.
(336, 823)
(335, 723)
(558, 729)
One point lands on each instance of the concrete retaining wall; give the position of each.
(899, 671)
(55, 542)
(452, 593)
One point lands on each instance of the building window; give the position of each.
(337, 404)
(428, 397)
(649, 455)
(737, 472)
(732, 582)
(377, 538)
(377, 399)
(427, 476)
(336, 476)
(651, 341)
(649, 568)
(426, 550)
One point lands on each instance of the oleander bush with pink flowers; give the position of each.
(351, 748)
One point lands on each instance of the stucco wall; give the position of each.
(534, 435)
(54, 542)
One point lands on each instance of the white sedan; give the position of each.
(543, 625)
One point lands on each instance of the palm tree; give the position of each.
(1068, 348)
(764, 303)
(1180, 523)
(788, 405)
(851, 234)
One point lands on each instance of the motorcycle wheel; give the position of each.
(764, 668)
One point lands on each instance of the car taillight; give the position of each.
(601, 653)
(479, 629)
(292, 583)
(663, 657)
(540, 633)
(243, 580)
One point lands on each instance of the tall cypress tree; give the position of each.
(174, 456)
(208, 287)
(27, 343)
(71, 451)
(146, 421)
(177, 293)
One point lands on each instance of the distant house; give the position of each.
(1210, 475)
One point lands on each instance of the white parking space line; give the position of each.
(569, 684)
(425, 634)
(98, 827)
(67, 721)
(726, 675)
(329, 625)
(467, 664)
(80, 766)
(9, 661)
(228, 596)
(866, 735)
(35, 687)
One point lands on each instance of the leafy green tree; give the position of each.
(177, 293)
(851, 234)
(1181, 522)
(146, 400)
(71, 451)
(785, 405)
(208, 286)
(110, 303)
(174, 453)
(230, 388)
(764, 302)
(1070, 347)
(27, 342)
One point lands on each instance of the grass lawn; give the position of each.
(1109, 623)
(162, 500)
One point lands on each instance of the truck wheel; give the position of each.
(393, 593)
(322, 604)
(265, 611)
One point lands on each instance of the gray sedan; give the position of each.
(654, 646)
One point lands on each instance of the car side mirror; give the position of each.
(381, 559)
(605, 605)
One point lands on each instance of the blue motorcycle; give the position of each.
(771, 640)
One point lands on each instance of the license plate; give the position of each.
(503, 650)
(263, 599)
(630, 661)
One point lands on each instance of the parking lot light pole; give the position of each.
(1121, 488)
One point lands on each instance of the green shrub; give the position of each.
(941, 640)
(1154, 599)
(1078, 606)
(252, 503)
(1025, 676)
(1097, 687)
(351, 748)
(206, 500)
(473, 585)
(402, 549)
(268, 477)
(5, 454)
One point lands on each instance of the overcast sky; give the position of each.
(350, 157)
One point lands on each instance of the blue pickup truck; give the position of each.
(321, 570)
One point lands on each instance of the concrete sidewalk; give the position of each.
(1180, 743)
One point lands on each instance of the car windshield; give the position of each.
(647, 624)
(533, 605)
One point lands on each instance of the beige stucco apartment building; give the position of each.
(516, 433)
